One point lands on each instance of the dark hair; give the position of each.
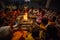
(45, 21)
(53, 19)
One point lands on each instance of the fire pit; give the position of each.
(26, 22)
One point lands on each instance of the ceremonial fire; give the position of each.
(25, 17)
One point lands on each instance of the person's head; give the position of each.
(53, 19)
(45, 21)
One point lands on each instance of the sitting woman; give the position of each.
(51, 32)
(43, 27)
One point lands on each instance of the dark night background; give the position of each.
(54, 5)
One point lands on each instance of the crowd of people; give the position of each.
(47, 20)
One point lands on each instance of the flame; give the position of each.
(25, 16)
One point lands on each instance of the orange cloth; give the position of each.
(51, 23)
(17, 35)
(42, 26)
